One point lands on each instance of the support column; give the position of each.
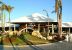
(69, 35)
(69, 30)
(26, 27)
(39, 27)
(48, 30)
(52, 29)
(14, 27)
(44, 30)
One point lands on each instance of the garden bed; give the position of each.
(23, 39)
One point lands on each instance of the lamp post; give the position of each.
(48, 20)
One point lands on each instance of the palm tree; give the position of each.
(3, 7)
(0, 13)
(1, 2)
(58, 10)
(9, 9)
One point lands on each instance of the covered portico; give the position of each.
(41, 26)
(67, 27)
(36, 21)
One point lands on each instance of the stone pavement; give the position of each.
(51, 46)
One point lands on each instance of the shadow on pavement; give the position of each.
(31, 45)
(11, 43)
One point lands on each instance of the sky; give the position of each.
(28, 7)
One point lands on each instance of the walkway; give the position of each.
(51, 46)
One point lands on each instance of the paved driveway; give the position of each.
(52, 46)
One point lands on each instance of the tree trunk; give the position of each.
(60, 24)
(59, 15)
(9, 22)
(59, 18)
(2, 20)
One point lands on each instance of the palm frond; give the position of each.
(1, 2)
(56, 5)
(53, 11)
(60, 5)
(0, 8)
(4, 6)
(9, 8)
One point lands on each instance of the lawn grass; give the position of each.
(34, 38)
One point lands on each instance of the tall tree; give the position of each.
(9, 9)
(58, 10)
(3, 7)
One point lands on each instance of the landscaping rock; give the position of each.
(19, 33)
(15, 32)
(50, 38)
(10, 33)
(67, 38)
(70, 37)
(37, 34)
